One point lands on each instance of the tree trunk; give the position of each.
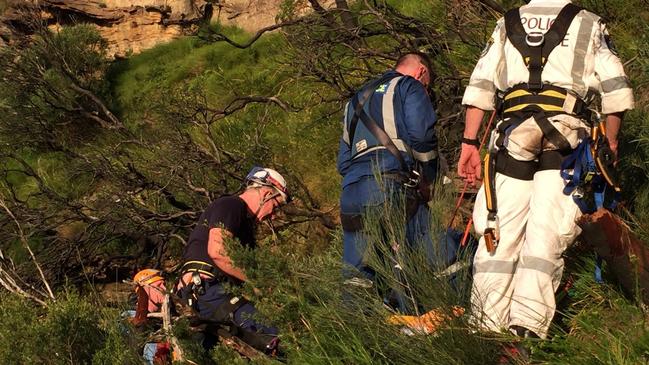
(347, 17)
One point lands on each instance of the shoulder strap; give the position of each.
(536, 48)
(559, 28)
(385, 140)
(370, 123)
(359, 100)
(515, 32)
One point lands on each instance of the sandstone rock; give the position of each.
(131, 26)
(128, 25)
(252, 15)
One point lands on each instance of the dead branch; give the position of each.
(23, 240)
(493, 6)
(114, 122)
(218, 37)
(241, 102)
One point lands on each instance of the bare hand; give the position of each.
(469, 167)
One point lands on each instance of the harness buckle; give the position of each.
(197, 284)
(534, 39)
(413, 180)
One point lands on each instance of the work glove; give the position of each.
(469, 166)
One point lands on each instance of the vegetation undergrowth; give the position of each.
(97, 196)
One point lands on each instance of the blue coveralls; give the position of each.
(403, 109)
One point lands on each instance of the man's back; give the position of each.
(401, 107)
(581, 62)
(228, 212)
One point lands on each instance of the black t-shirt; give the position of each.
(228, 212)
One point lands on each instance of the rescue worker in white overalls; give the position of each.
(542, 66)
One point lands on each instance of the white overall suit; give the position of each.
(515, 286)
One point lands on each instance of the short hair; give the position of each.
(419, 56)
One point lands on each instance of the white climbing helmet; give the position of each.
(263, 176)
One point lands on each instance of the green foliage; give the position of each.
(604, 326)
(70, 330)
(302, 292)
(188, 135)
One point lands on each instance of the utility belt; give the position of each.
(411, 183)
(551, 100)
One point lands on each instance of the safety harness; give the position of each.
(201, 267)
(533, 99)
(359, 102)
(198, 287)
(223, 314)
(536, 47)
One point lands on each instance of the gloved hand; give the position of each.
(469, 167)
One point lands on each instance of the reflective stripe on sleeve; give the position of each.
(345, 127)
(616, 83)
(581, 49)
(486, 85)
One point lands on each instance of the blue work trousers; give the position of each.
(371, 197)
(210, 307)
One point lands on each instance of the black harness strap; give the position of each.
(207, 269)
(551, 160)
(384, 139)
(359, 101)
(536, 47)
(551, 133)
(509, 166)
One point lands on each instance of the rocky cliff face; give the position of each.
(250, 15)
(131, 26)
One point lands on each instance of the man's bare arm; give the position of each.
(219, 255)
(473, 120)
(613, 124)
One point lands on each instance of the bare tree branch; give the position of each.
(218, 37)
(23, 240)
